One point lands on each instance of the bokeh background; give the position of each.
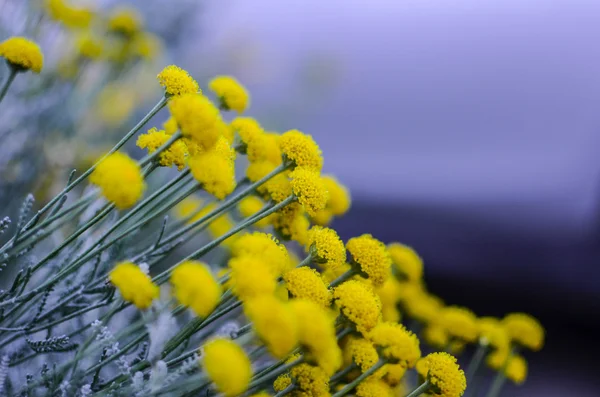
(467, 129)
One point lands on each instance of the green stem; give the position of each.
(285, 391)
(423, 388)
(346, 276)
(341, 374)
(275, 373)
(476, 361)
(11, 77)
(306, 261)
(350, 386)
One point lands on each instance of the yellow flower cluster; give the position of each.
(177, 81)
(22, 54)
(359, 304)
(301, 150)
(338, 203)
(309, 380)
(443, 373)
(232, 94)
(120, 179)
(397, 344)
(134, 285)
(175, 155)
(69, 15)
(371, 256)
(326, 247)
(125, 21)
(524, 330)
(194, 286)
(307, 283)
(264, 247)
(227, 365)
(406, 261)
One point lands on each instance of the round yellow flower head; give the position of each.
(291, 223)
(306, 283)
(134, 285)
(194, 286)
(419, 304)
(362, 352)
(397, 344)
(227, 365)
(301, 150)
(460, 323)
(492, 332)
(250, 206)
(316, 331)
(372, 257)
(251, 277)
(175, 155)
(274, 322)
(120, 179)
(72, 17)
(322, 218)
(278, 188)
(444, 374)
(406, 261)
(310, 381)
(339, 196)
(497, 358)
(22, 54)
(89, 47)
(257, 171)
(265, 248)
(358, 304)
(197, 118)
(309, 188)
(326, 247)
(177, 81)
(282, 382)
(232, 94)
(394, 374)
(436, 336)
(373, 387)
(214, 172)
(524, 330)
(125, 21)
(516, 370)
(389, 295)
(247, 129)
(264, 147)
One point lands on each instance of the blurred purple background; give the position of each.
(468, 129)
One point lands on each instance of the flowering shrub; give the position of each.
(98, 306)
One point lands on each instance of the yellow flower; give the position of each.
(316, 331)
(419, 304)
(125, 21)
(358, 304)
(282, 382)
(232, 94)
(339, 196)
(227, 365)
(373, 387)
(436, 336)
(278, 188)
(170, 126)
(326, 247)
(22, 54)
(525, 330)
(444, 374)
(322, 218)
(174, 155)
(397, 344)
(516, 370)
(498, 358)
(372, 257)
(492, 332)
(247, 129)
(120, 180)
(406, 260)
(274, 322)
(134, 285)
(263, 247)
(195, 287)
(89, 47)
(301, 150)
(306, 283)
(309, 188)
(394, 374)
(197, 118)
(310, 381)
(215, 172)
(362, 352)
(389, 295)
(177, 81)
(251, 277)
(250, 206)
(460, 323)
(70, 16)
(264, 147)
(291, 224)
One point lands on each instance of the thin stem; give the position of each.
(275, 373)
(476, 361)
(306, 261)
(500, 378)
(11, 77)
(341, 374)
(350, 386)
(423, 388)
(285, 391)
(349, 274)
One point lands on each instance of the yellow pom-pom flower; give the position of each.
(339, 196)
(251, 277)
(307, 283)
(175, 155)
(301, 150)
(264, 147)
(362, 352)
(373, 387)
(197, 118)
(358, 304)
(307, 185)
(22, 54)
(406, 261)
(214, 172)
(372, 257)
(227, 365)
(232, 94)
(250, 206)
(134, 285)
(389, 295)
(316, 331)
(125, 21)
(443, 373)
(524, 330)
(72, 17)
(291, 223)
(274, 322)
(516, 369)
(310, 381)
(326, 247)
(120, 179)
(394, 374)
(247, 129)
(397, 344)
(419, 304)
(460, 323)
(194, 286)
(493, 333)
(177, 81)
(436, 336)
(265, 248)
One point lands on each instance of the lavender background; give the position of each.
(468, 129)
